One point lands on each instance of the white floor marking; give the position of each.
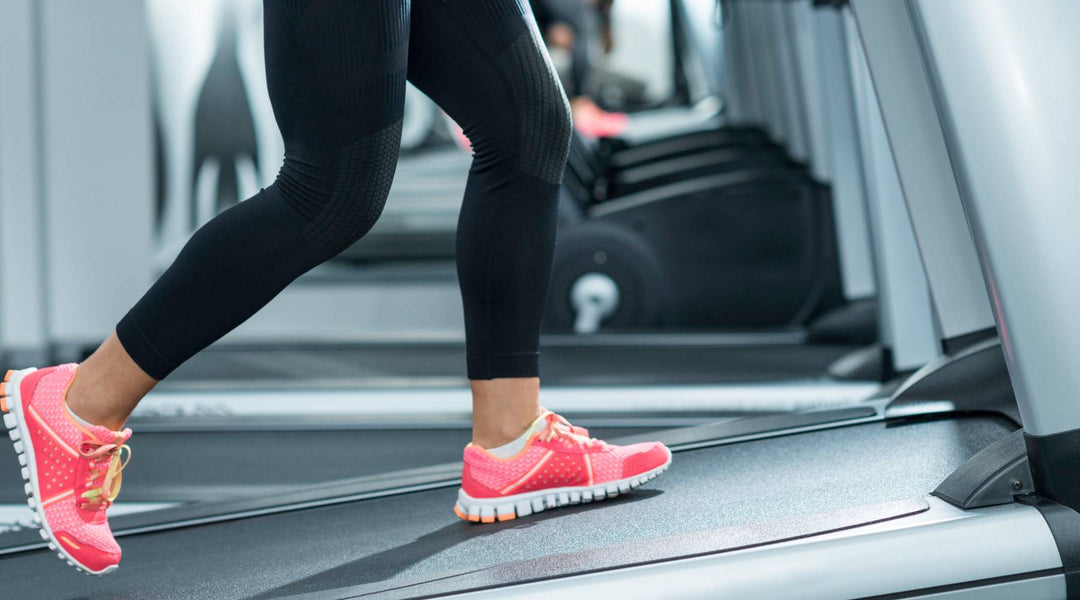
(764, 397)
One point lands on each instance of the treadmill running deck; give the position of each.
(402, 546)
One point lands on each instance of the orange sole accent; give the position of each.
(474, 518)
(487, 519)
(3, 391)
(7, 375)
(460, 514)
(3, 404)
(509, 517)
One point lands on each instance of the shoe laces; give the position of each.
(559, 427)
(104, 474)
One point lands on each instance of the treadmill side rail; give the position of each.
(1007, 549)
(974, 379)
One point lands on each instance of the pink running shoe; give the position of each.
(559, 465)
(72, 472)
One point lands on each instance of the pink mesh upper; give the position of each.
(494, 473)
(639, 458)
(560, 470)
(65, 518)
(60, 468)
(485, 475)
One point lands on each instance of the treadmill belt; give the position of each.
(379, 545)
(193, 467)
(604, 558)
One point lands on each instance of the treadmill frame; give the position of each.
(944, 549)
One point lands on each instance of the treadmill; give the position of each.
(239, 402)
(826, 504)
(683, 370)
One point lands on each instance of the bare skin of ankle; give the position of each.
(107, 386)
(503, 409)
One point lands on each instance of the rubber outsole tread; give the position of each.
(12, 425)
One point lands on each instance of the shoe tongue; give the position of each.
(536, 425)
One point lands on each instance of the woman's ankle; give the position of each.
(107, 386)
(503, 409)
(85, 401)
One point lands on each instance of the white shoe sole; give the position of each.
(506, 508)
(15, 422)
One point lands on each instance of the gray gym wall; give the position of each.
(77, 168)
(97, 162)
(22, 315)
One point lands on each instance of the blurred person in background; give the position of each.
(570, 30)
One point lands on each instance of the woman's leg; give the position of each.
(485, 65)
(336, 77)
(483, 62)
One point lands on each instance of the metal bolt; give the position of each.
(1016, 485)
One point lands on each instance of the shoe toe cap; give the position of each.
(93, 555)
(645, 457)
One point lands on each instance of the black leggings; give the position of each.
(336, 72)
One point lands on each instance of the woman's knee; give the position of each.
(340, 200)
(556, 127)
(541, 113)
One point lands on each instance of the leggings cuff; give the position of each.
(503, 366)
(139, 349)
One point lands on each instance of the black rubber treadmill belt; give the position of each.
(189, 467)
(411, 545)
(197, 466)
(562, 365)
